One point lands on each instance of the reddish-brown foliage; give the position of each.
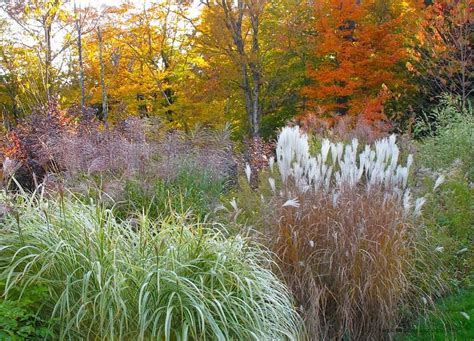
(367, 127)
(351, 266)
(57, 141)
(31, 141)
(359, 50)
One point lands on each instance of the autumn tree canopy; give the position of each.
(444, 53)
(254, 63)
(360, 53)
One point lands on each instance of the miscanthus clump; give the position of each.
(348, 236)
(118, 280)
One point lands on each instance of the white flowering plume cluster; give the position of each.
(338, 167)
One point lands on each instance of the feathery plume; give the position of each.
(292, 202)
(248, 172)
(439, 182)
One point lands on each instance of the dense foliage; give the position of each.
(360, 57)
(253, 63)
(18, 315)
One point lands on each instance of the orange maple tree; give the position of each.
(360, 50)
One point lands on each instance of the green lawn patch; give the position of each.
(454, 320)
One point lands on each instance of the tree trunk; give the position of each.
(249, 65)
(81, 63)
(15, 110)
(47, 58)
(105, 107)
(255, 68)
(256, 109)
(248, 95)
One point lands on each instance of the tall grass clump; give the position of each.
(449, 138)
(347, 234)
(112, 280)
(447, 152)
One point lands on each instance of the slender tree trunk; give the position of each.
(5, 119)
(256, 108)
(249, 65)
(47, 59)
(15, 110)
(255, 68)
(81, 63)
(248, 95)
(105, 107)
(12, 91)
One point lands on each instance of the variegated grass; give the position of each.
(112, 280)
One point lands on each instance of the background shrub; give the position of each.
(138, 163)
(450, 139)
(18, 318)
